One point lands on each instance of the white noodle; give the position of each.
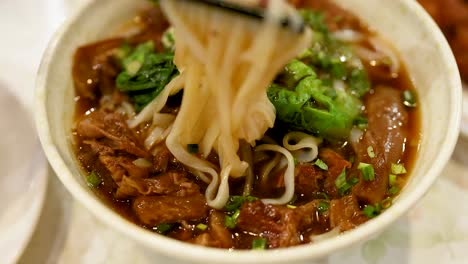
(227, 64)
(288, 174)
(305, 148)
(348, 35)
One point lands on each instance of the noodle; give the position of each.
(288, 174)
(306, 147)
(227, 64)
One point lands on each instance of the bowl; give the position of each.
(405, 24)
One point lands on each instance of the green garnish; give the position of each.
(192, 148)
(393, 190)
(392, 179)
(290, 206)
(409, 98)
(323, 206)
(93, 180)
(319, 92)
(163, 228)
(235, 202)
(343, 185)
(321, 164)
(398, 168)
(370, 152)
(202, 227)
(231, 221)
(370, 211)
(259, 244)
(145, 72)
(367, 171)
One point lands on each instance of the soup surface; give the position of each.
(361, 166)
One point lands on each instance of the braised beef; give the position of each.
(155, 210)
(386, 134)
(336, 164)
(217, 234)
(345, 213)
(171, 183)
(112, 126)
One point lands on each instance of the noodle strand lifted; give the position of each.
(226, 65)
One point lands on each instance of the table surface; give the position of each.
(435, 231)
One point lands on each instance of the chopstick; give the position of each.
(252, 12)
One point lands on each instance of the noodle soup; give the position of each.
(323, 148)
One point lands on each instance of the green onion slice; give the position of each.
(202, 227)
(231, 221)
(393, 190)
(163, 228)
(398, 169)
(409, 98)
(392, 179)
(323, 206)
(259, 244)
(321, 164)
(370, 152)
(93, 180)
(290, 206)
(367, 171)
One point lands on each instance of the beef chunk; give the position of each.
(308, 179)
(122, 165)
(103, 124)
(277, 223)
(386, 134)
(171, 183)
(161, 160)
(336, 164)
(93, 69)
(218, 235)
(155, 210)
(345, 213)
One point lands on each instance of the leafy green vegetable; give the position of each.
(93, 180)
(145, 72)
(319, 91)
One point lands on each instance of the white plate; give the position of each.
(23, 177)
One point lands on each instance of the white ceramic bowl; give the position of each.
(404, 23)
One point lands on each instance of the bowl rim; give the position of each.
(197, 254)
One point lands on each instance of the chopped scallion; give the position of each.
(392, 179)
(321, 164)
(231, 221)
(192, 148)
(290, 206)
(361, 122)
(398, 169)
(93, 180)
(235, 202)
(259, 244)
(367, 171)
(344, 185)
(370, 152)
(323, 206)
(163, 228)
(202, 227)
(409, 98)
(393, 190)
(369, 211)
